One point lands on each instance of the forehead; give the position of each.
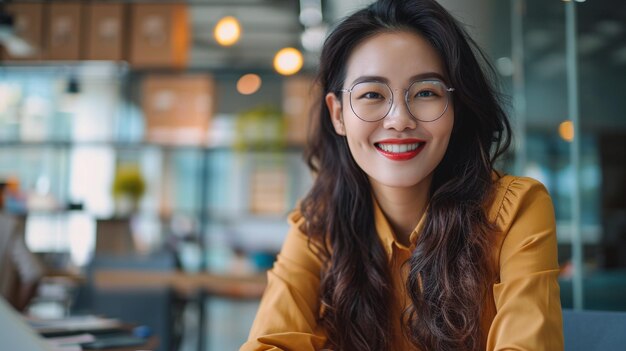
(396, 56)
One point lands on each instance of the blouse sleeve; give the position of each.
(526, 297)
(287, 316)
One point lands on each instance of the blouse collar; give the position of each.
(388, 237)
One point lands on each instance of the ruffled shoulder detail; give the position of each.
(509, 194)
(295, 217)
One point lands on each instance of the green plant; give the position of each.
(128, 181)
(262, 127)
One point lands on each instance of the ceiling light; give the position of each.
(249, 84)
(227, 31)
(288, 61)
(310, 12)
(310, 16)
(312, 38)
(566, 130)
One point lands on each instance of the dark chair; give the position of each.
(594, 330)
(114, 237)
(153, 307)
(158, 308)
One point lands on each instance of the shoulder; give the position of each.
(298, 246)
(513, 196)
(523, 217)
(525, 228)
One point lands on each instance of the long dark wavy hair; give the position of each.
(451, 267)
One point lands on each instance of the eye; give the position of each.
(427, 90)
(371, 95)
(370, 92)
(425, 94)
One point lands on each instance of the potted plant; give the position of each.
(128, 188)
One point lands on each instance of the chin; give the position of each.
(399, 182)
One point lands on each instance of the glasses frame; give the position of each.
(406, 98)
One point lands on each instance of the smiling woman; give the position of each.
(409, 238)
(396, 58)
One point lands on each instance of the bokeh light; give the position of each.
(288, 61)
(249, 84)
(566, 130)
(227, 31)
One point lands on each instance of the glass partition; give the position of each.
(569, 58)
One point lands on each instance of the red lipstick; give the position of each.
(400, 149)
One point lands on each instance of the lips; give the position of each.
(400, 149)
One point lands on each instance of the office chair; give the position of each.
(158, 308)
(594, 330)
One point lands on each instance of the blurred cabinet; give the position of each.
(146, 34)
(178, 108)
(160, 35)
(63, 31)
(106, 30)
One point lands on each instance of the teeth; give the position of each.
(399, 148)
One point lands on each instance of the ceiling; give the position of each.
(269, 25)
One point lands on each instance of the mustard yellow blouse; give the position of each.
(523, 311)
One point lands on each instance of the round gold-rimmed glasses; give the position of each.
(427, 100)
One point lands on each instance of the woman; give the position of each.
(409, 239)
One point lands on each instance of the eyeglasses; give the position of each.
(426, 100)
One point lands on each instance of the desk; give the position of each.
(86, 329)
(185, 284)
(151, 344)
(192, 286)
(17, 332)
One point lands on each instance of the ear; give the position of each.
(336, 116)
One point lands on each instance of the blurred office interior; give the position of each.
(134, 138)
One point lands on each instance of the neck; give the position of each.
(403, 206)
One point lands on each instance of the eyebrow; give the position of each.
(421, 76)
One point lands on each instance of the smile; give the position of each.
(400, 150)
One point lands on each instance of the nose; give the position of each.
(399, 117)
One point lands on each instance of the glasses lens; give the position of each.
(427, 100)
(371, 101)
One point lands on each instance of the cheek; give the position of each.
(358, 132)
(441, 134)
(358, 136)
(442, 131)
(446, 131)
(360, 144)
